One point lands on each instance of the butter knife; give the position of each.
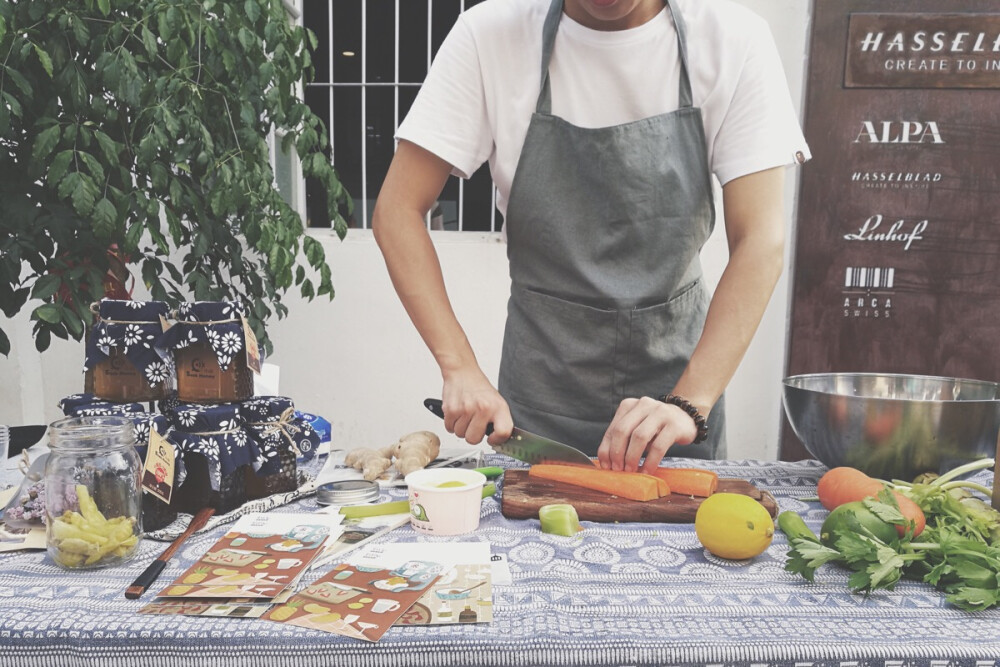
(526, 446)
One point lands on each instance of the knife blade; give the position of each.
(526, 446)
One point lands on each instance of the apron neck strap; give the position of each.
(551, 26)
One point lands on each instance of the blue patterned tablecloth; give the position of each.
(616, 594)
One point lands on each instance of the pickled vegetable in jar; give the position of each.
(92, 491)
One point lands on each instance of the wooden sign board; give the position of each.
(896, 264)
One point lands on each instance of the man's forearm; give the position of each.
(755, 231)
(735, 313)
(416, 275)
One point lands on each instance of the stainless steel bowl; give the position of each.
(893, 426)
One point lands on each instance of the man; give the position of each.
(603, 121)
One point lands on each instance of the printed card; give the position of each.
(258, 558)
(232, 608)
(358, 532)
(463, 594)
(359, 602)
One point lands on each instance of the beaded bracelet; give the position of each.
(699, 419)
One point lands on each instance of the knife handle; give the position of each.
(145, 580)
(434, 405)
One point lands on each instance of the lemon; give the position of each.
(733, 526)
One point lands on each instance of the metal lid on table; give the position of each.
(347, 492)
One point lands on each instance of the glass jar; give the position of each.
(210, 352)
(122, 362)
(92, 492)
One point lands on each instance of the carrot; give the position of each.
(844, 485)
(689, 481)
(632, 485)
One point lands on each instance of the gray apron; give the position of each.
(604, 227)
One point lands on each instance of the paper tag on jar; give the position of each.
(253, 350)
(158, 471)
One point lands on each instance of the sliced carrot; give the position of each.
(689, 481)
(632, 485)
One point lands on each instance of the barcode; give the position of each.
(869, 277)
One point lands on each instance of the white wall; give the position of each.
(358, 361)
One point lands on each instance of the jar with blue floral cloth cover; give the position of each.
(281, 438)
(155, 513)
(216, 452)
(82, 405)
(122, 362)
(210, 352)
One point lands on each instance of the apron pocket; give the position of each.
(663, 336)
(557, 355)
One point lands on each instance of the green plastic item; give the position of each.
(394, 507)
(491, 472)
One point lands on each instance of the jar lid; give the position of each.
(347, 492)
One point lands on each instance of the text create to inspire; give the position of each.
(923, 50)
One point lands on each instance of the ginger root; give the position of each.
(412, 452)
(415, 450)
(371, 462)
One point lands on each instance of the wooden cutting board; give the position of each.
(522, 496)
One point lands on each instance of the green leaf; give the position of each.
(163, 25)
(975, 599)
(80, 31)
(58, 166)
(313, 250)
(69, 184)
(15, 106)
(42, 339)
(174, 226)
(147, 148)
(48, 312)
(3, 31)
(4, 341)
(92, 165)
(252, 10)
(104, 218)
(73, 323)
(44, 59)
(45, 142)
(19, 80)
(104, 6)
(46, 286)
(133, 236)
(245, 38)
(109, 146)
(158, 175)
(149, 41)
(84, 195)
(158, 239)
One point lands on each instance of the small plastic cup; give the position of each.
(445, 501)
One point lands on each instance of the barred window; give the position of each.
(371, 59)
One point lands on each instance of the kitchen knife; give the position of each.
(525, 446)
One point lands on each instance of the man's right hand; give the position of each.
(470, 402)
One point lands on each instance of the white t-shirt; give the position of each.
(481, 90)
